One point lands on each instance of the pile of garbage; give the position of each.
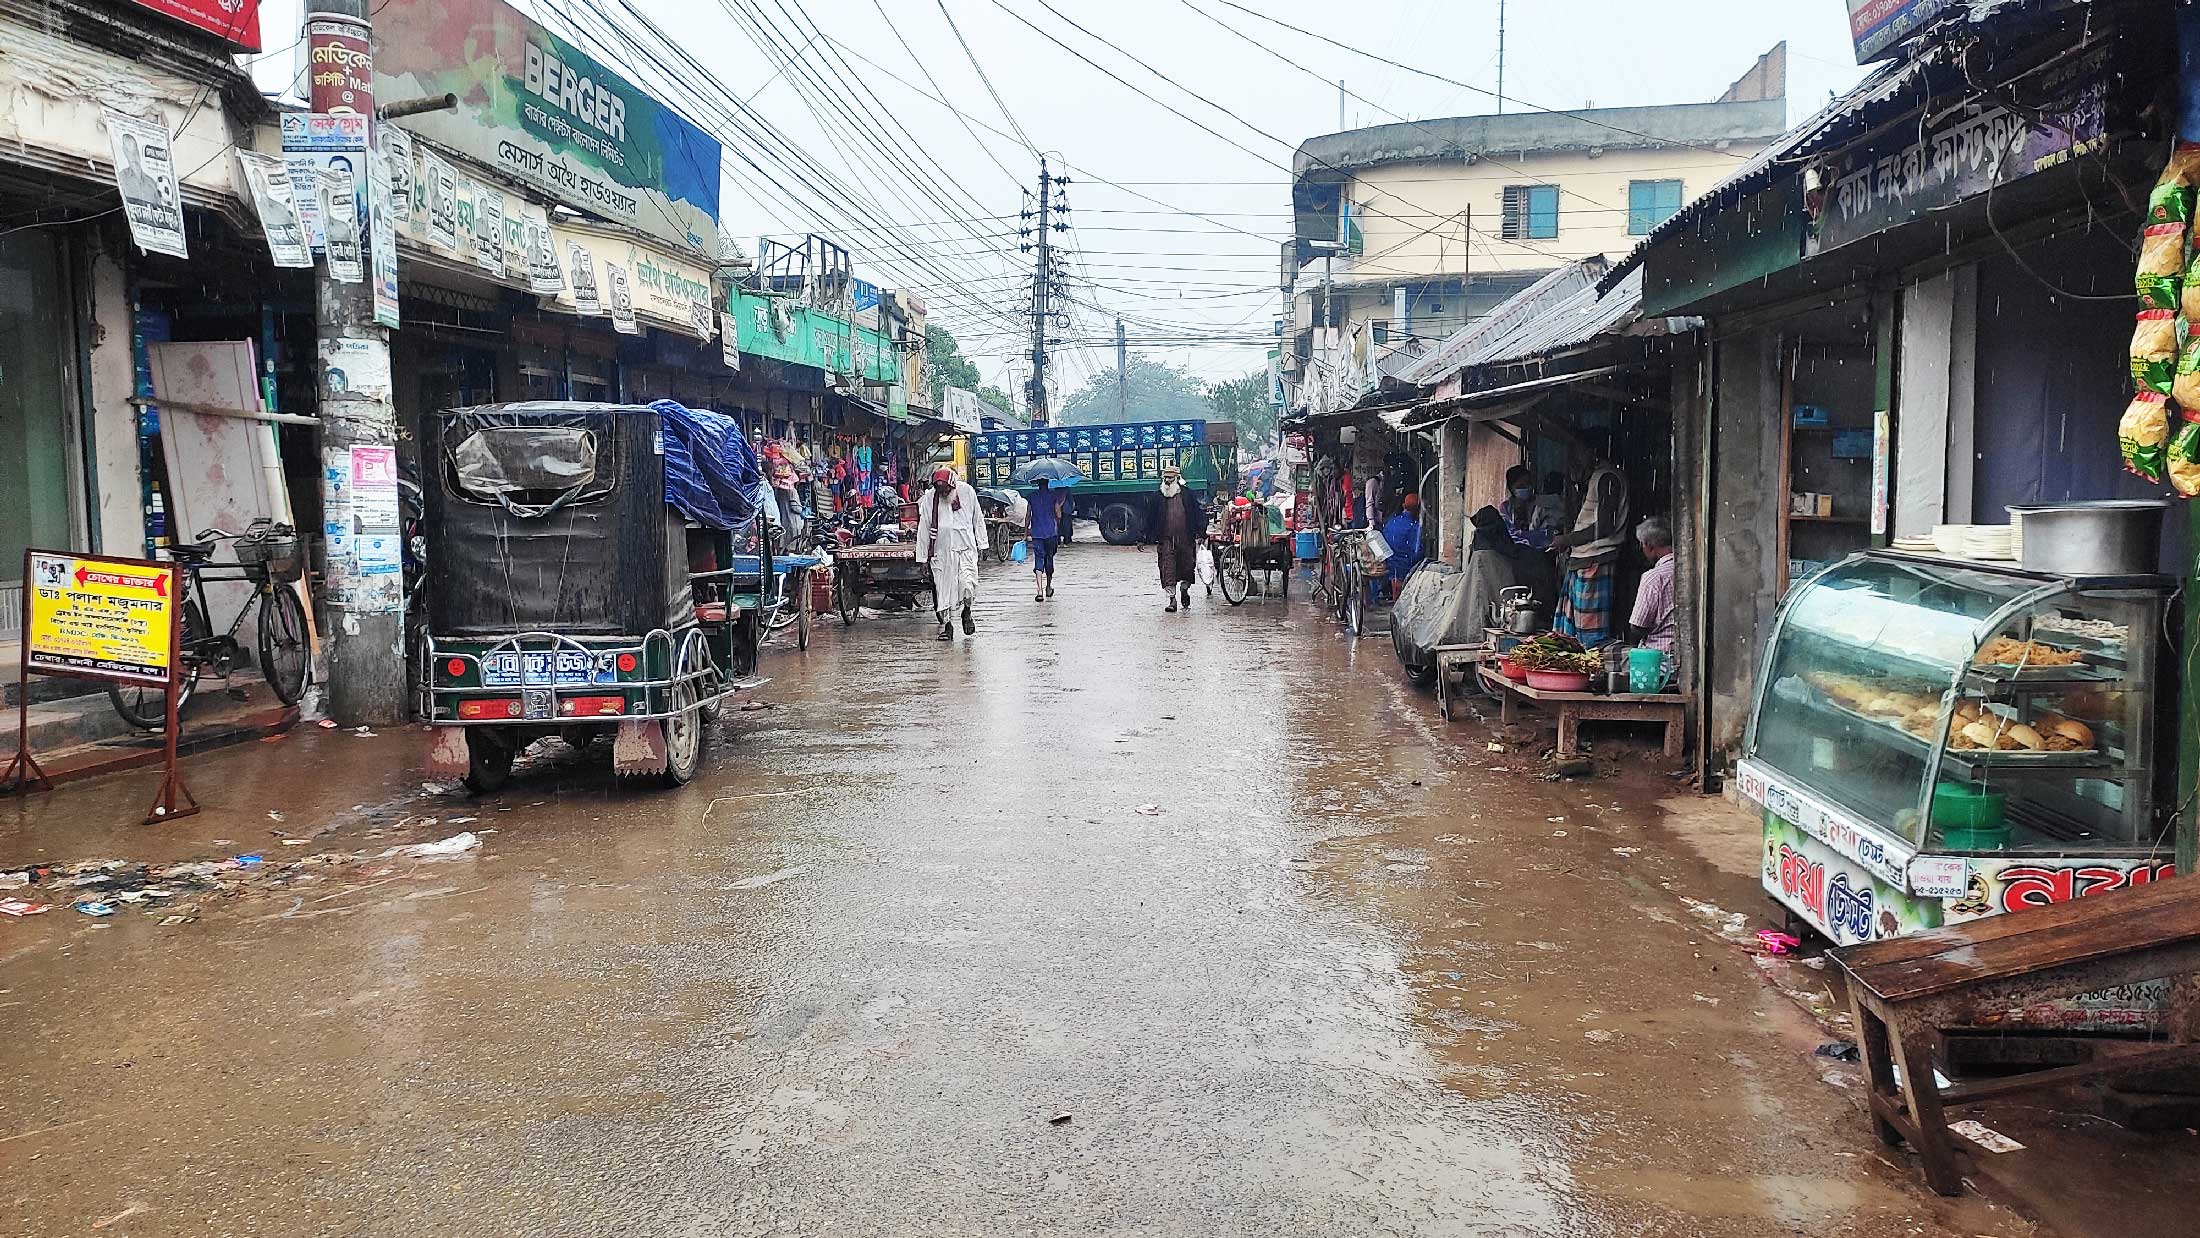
(175, 894)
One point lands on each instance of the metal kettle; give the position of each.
(1518, 613)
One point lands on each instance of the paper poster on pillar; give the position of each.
(269, 180)
(729, 340)
(622, 300)
(376, 534)
(336, 512)
(382, 229)
(145, 176)
(340, 220)
(356, 367)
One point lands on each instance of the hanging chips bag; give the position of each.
(2142, 432)
(2154, 350)
(2182, 170)
(2184, 386)
(2191, 298)
(2184, 456)
(2162, 265)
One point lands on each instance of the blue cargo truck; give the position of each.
(1122, 465)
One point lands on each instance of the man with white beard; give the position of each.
(1179, 525)
(950, 529)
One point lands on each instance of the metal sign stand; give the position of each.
(23, 767)
(23, 772)
(167, 803)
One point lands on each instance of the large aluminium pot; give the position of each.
(2106, 537)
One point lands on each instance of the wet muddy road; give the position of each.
(1295, 958)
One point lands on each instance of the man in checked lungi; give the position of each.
(1589, 556)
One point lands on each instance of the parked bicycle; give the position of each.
(268, 559)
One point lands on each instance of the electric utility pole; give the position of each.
(363, 594)
(1122, 374)
(1042, 283)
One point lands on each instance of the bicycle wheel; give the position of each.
(845, 594)
(284, 647)
(1355, 604)
(145, 706)
(1236, 578)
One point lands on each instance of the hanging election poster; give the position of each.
(145, 175)
(286, 233)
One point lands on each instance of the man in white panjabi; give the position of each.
(950, 530)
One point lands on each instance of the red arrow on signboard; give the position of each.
(156, 581)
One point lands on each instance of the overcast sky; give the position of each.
(1165, 244)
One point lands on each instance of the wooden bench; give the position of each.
(1575, 708)
(1908, 993)
(1454, 670)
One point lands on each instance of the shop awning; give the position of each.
(1341, 417)
(1500, 403)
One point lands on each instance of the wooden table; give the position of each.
(1575, 708)
(1907, 993)
(1454, 667)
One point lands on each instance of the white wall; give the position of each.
(114, 419)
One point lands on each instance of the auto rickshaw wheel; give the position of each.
(845, 593)
(489, 753)
(687, 734)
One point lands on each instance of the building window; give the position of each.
(1531, 213)
(1650, 203)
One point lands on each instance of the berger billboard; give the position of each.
(542, 112)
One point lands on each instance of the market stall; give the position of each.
(1937, 740)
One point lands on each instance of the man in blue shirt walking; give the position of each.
(1047, 506)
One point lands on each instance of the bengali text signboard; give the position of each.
(99, 618)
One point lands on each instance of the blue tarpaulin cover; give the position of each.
(711, 472)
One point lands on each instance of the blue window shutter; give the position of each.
(1650, 203)
(1542, 212)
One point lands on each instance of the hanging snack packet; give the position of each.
(2162, 265)
(2184, 456)
(2154, 350)
(2191, 296)
(2182, 171)
(2141, 433)
(2184, 387)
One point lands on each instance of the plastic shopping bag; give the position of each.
(1206, 569)
(1019, 552)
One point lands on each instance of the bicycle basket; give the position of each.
(279, 555)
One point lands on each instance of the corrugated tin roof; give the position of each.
(1566, 314)
(1486, 337)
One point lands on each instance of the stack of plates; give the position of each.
(1989, 541)
(2016, 532)
(1973, 541)
(1916, 545)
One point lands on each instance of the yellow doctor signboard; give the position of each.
(99, 618)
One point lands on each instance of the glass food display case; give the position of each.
(1938, 740)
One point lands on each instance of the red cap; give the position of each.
(943, 474)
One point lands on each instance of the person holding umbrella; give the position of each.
(1182, 523)
(1047, 513)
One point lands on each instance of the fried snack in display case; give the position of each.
(1931, 735)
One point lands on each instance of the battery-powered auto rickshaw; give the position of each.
(585, 580)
